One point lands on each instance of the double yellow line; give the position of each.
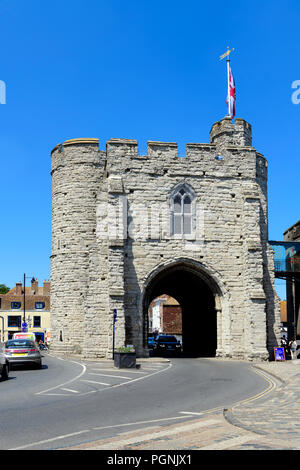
(270, 388)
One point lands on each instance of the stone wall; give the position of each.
(112, 233)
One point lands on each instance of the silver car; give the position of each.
(22, 351)
(4, 365)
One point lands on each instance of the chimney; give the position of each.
(19, 288)
(34, 286)
(46, 288)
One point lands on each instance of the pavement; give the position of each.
(268, 421)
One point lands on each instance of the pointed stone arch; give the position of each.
(204, 301)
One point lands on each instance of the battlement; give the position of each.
(223, 133)
(83, 140)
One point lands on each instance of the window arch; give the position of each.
(182, 210)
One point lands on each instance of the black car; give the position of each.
(166, 344)
(151, 341)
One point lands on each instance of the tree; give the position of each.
(4, 289)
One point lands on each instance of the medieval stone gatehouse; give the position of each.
(127, 228)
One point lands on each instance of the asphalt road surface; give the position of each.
(69, 402)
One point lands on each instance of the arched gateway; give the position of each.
(201, 298)
(128, 227)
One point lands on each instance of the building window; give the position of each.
(182, 211)
(39, 305)
(15, 305)
(14, 321)
(36, 322)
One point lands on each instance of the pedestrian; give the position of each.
(293, 348)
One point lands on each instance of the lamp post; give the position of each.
(24, 300)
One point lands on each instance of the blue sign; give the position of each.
(24, 327)
(279, 354)
(115, 315)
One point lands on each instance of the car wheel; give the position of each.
(4, 374)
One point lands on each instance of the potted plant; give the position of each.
(125, 357)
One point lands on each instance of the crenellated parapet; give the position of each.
(230, 151)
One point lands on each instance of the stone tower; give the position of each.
(127, 228)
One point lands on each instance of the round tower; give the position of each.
(237, 133)
(77, 167)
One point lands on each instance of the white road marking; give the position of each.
(58, 394)
(190, 413)
(70, 390)
(130, 380)
(66, 383)
(109, 375)
(50, 440)
(152, 368)
(115, 370)
(94, 382)
(144, 377)
(94, 429)
(138, 422)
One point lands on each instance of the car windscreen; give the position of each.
(167, 339)
(19, 343)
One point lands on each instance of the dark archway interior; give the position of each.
(199, 325)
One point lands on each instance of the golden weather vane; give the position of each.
(230, 84)
(226, 53)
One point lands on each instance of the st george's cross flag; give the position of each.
(231, 93)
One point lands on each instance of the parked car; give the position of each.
(151, 341)
(166, 344)
(22, 351)
(4, 365)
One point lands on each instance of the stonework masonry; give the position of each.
(113, 236)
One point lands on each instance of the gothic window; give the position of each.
(182, 211)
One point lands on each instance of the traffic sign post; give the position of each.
(114, 328)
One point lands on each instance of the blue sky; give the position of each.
(147, 70)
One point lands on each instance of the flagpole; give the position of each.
(226, 54)
(228, 87)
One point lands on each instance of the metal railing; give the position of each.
(286, 256)
(291, 265)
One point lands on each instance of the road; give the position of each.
(67, 402)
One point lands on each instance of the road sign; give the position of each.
(115, 315)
